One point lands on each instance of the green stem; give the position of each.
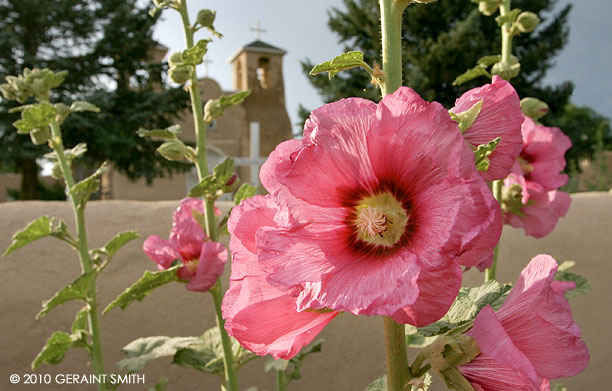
(83, 250)
(506, 53)
(391, 12)
(196, 99)
(231, 376)
(280, 381)
(497, 193)
(398, 371)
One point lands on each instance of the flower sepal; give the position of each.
(447, 353)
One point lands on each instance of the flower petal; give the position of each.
(210, 267)
(160, 251)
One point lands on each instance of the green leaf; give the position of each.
(34, 117)
(39, 228)
(212, 184)
(468, 304)
(482, 153)
(145, 285)
(245, 191)
(143, 350)
(79, 106)
(466, 118)
(206, 354)
(276, 365)
(82, 190)
(195, 54)
(54, 350)
(214, 108)
(170, 133)
(487, 61)
(120, 240)
(380, 384)
(80, 321)
(510, 17)
(340, 63)
(477, 71)
(582, 284)
(414, 339)
(76, 290)
(559, 387)
(160, 386)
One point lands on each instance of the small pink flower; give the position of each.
(262, 318)
(203, 260)
(541, 209)
(380, 204)
(542, 157)
(531, 339)
(500, 116)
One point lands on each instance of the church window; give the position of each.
(263, 72)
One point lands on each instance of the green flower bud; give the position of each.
(206, 18)
(212, 110)
(56, 171)
(40, 136)
(534, 108)
(172, 149)
(180, 73)
(175, 59)
(507, 71)
(527, 22)
(488, 7)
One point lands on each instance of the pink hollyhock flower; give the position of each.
(262, 318)
(500, 116)
(538, 210)
(543, 155)
(203, 260)
(380, 203)
(531, 339)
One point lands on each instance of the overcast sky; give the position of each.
(300, 27)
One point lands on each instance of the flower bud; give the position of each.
(212, 110)
(175, 59)
(172, 150)
(40, 136)
(488, 7)
(507, 71)
(206, 18)
(534, 108)
(527, 22)
(180, 73)
(231, 184)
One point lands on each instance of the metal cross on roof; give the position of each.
(258, 30)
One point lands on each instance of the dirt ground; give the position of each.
(353, 351)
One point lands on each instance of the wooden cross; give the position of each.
(258, 30)
(254, 161)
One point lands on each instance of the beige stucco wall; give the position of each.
(353, 351)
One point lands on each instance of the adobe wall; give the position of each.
(353, 352)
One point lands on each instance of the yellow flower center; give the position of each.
(527, 168)
(380, 219)
(192, 265)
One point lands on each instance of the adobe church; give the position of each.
(247, 132)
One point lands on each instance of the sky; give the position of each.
(300, 28)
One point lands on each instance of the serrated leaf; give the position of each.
(340, 63)
(160, 386)
(80, 106)
(470, 74)
(143, 287)
(215, 182)
(143, 350)
(82, 190)
(232, 100)
(224, 171)
(195, 54)
(510, 17)
(170, 133)
(39, 228)
(468, 304)
(71, 153)
(54, 350)
(80, 321)
(487, 61)
(276, 365)
(482, 153)
(582, 284)
(380, 384)
(245, 191)
(414, 339)
(76, 290)
(120, 240)
(35, 117)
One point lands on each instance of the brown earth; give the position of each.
(353, 351)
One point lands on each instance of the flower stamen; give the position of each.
(371, 221)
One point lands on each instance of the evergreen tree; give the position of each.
(106, 47)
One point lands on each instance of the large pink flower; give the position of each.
(262, 318)
(500, 116)
(381, 204)
(531, 339)
(542, 157)
(203, 260)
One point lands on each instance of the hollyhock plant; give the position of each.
(203, 260)
(531, 339)
(500, 116)
(381, 204)
(262, 318)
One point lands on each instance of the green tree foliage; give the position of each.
(106, 47)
